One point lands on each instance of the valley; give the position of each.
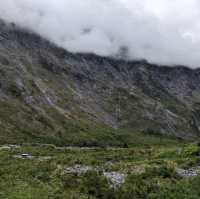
(147, 171)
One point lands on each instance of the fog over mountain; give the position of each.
(161, 31)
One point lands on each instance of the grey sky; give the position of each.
(161, 31)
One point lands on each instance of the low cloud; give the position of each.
(161, 31)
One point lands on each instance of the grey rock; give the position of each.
(78, 169)
(116, 178)
(192, 172)
(44, 88)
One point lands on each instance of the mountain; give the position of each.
(53, 96)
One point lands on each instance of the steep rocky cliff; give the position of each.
(50, 95)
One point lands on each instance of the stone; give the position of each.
(116, 178)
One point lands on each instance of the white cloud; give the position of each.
(161, 31)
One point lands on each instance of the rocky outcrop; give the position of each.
(115, 179)
(50, 95)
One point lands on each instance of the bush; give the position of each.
(163, 171)
(97, 185)
(137, 188)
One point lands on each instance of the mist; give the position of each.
(160, 31)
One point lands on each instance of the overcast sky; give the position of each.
(161, 31)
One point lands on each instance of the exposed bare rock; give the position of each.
(50, 95)
(78, 169)
(116, 178)
(192, 172)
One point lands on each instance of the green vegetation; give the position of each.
(150, 171)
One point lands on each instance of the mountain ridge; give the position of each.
(51, 95)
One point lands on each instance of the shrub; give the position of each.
(97, 185)
(137, 188)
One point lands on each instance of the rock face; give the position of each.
(50, 95)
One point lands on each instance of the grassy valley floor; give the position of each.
(154, 171)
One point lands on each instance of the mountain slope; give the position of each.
(50, 95)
